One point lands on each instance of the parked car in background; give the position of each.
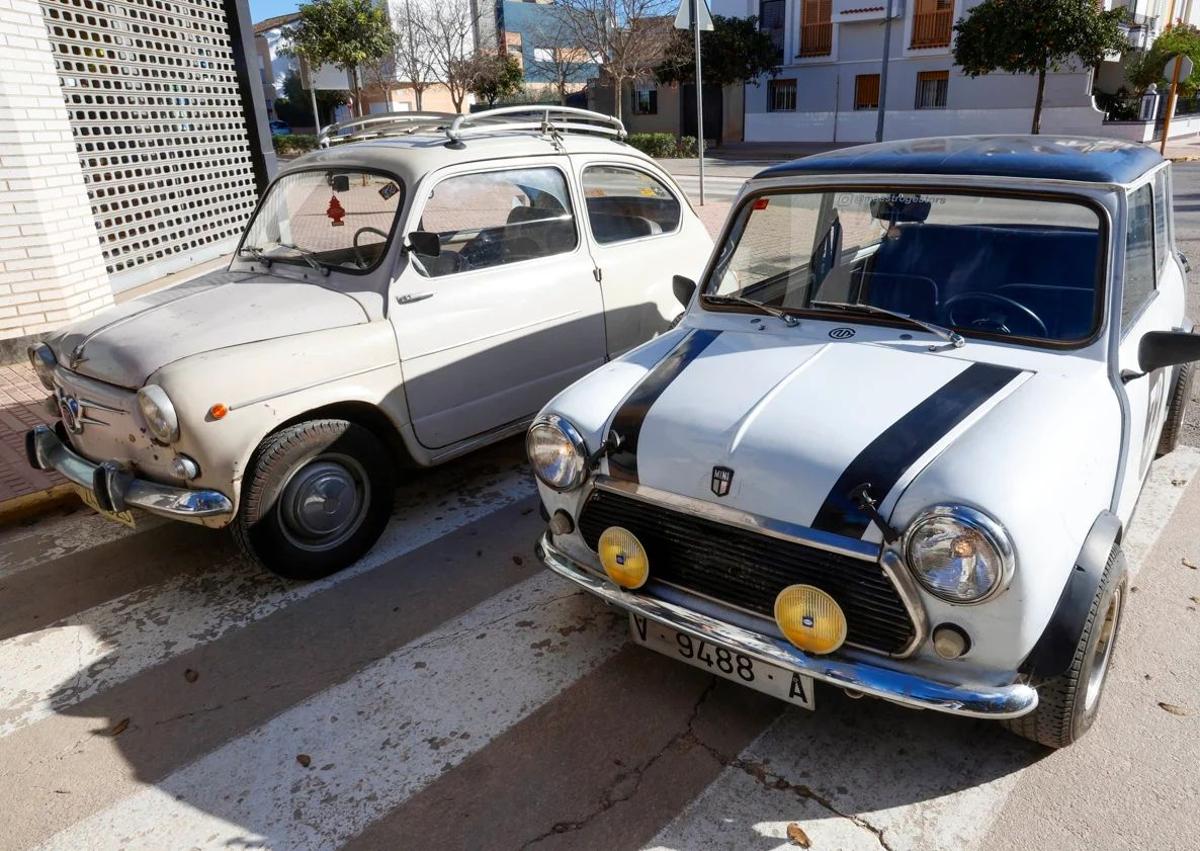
(280, 128)
(415, 290)
(895, 442)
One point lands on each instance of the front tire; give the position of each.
(1069, 703)
(316, 497)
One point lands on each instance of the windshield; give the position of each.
(990, 265)
(336, 219)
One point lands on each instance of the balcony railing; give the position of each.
(816, 28)
(932, 28)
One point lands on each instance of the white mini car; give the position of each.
(895, 441)
(398, 299)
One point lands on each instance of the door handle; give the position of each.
(410, 298)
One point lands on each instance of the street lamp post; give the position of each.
(883, 73)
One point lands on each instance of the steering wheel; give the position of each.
(362, 263)
(996, 322)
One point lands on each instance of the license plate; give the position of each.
(89, 499)
(796, 689)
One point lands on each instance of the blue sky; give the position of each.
(263, 9)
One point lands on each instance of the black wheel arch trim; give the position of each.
(1055, 650)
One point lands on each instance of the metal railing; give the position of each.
(816, 39)
(546, 120)
(932, 28)
(383, 124)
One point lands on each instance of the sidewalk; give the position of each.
(21, 408)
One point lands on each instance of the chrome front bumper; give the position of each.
(997, 702)
(117, 490)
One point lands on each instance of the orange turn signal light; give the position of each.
(218, 411)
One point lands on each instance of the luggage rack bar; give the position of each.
(552, 121)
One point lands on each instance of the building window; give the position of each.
(781, 96)
(816, 27)
(933, 21)
(932, 87)
(866, 91)
(771, 20)
(645, 101)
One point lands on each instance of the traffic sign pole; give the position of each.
(699, 97)
(1182, 68)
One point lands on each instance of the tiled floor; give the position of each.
(21, 407)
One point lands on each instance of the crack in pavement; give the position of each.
(608, 799)
(761, 774)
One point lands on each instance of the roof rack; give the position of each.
(550, 121)
(383, 124)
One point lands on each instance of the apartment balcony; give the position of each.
(933, 23)
(816, 28)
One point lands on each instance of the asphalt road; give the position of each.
(446, 692)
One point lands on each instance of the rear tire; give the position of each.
(1181, 395)
(1069, 703)
(316, 497)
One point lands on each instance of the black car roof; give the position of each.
(1047, 157)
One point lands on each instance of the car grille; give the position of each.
(748, 569)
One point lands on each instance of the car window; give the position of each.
(498, 217)
(1162, 206)
(983, 264)
(337, 218)
(1139, 255)
(625, 203)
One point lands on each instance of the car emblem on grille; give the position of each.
(722, 480)
(72, 413)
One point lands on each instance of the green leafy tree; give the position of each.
(495, 77)
(346, 33)
(1036, 37)
(295, 107)
(1151, 67)
(735, 51)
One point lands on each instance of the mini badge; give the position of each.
(722, 480)
(336, 212)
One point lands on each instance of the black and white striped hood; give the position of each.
(801, 424)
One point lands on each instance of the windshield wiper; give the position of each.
(257, 253)
(952, 337)
(788, 319)
(309, 258)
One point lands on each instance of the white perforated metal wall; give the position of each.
(159, 124)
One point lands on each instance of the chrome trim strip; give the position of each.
(89, 403)
(995, 702)
(164, 500)
(903, 580)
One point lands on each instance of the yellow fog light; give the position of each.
(623, 557)
(810, 619)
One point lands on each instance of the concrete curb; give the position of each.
(21, 507)
(1186, 158)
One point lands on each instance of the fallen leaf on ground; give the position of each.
(191, 676)
(1187, 563)
(797, 836)
(304, 759)
(120, 727)
(1173, 709)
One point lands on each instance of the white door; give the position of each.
(509, 314)
(642, 234)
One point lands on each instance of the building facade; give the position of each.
(829, 85)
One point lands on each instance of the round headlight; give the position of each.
(159, 413)
(42, 358)
(557, 453)
(959, 554)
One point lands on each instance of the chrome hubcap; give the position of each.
(1102, 655)
(324, 502)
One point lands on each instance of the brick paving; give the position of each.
(21, 398)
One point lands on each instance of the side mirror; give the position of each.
(684, 289)
(1167, 348)
(425, 243)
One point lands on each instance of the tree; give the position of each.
(628, 38)
(1180, 39)
(347, 33)
(448, 29)
(735, 52)
(411, 52)
(556, 57)
(1036, 37)
(295, 107)
(495, 76)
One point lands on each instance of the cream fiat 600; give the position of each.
(418, 289)
(895, 442)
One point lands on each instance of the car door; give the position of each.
(1151, 301)
(509, 313)
(641, 233)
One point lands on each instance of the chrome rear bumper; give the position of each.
(117, 490)
(997, 702)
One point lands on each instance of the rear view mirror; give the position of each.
(340, 182)
(1167, 348)
(684, 289)
(900, 208)
(425, 243)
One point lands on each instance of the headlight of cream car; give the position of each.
(159, 413)
(959, 554)
(557, 453)
(43, 360)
